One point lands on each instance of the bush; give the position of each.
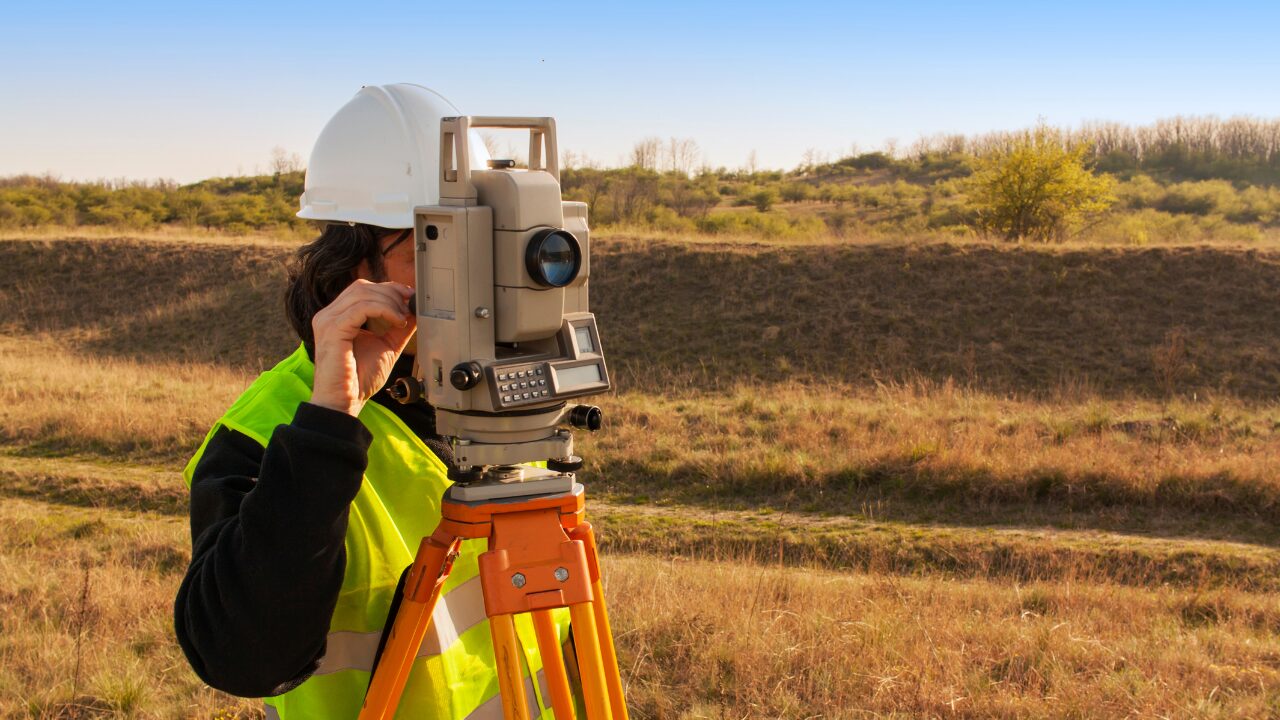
(668, 220)
(1037, 188)
(797, 192)
(1207, 197)
(1154, 227)
(1140, 192)
(1258, 204)
(867, 161)
(764, 199)
(770, 225)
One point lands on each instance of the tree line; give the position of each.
(1184, 177)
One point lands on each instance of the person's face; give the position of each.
(398, 256)
(397, 265)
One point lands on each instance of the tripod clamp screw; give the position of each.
(573, 463)
(562, 574)
(518, 580)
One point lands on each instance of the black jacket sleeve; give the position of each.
(267, 530)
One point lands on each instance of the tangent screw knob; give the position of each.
(466, 375)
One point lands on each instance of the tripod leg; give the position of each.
(609, 654)
(506, 650)
(553, 663)
(421, 591)
(594, 690)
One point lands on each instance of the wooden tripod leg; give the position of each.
(608, 653)
(422, 587)
(587, 640)
(506, 651)
(553, 663)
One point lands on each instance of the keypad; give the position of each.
(518, 385)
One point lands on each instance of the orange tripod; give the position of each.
(542, 556)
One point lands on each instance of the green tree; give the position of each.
(1037, 188)
(764, 199)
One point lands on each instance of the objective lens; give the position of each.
(553, 258)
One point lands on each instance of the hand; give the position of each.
(352, 363)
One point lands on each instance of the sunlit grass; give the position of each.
(92, 588)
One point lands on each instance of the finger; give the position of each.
(397, 338)
(364, 291)
(379, 327)
(356, 315)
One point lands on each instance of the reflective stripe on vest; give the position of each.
(491, 709)
(398, 503)
(455, 613)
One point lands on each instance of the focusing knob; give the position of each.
(586, 416)
(573, 463)
(466, 375)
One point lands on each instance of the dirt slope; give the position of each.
(1142, 321)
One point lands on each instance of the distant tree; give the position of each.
(764, 199)
(680, 155)
(1037, 187)
(284, 162)
(644, 154)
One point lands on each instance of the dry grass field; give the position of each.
(855, 480)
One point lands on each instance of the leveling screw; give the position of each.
(518, 580)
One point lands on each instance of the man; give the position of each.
(309, 496)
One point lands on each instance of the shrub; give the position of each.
(797, 192)
(764, 199)
(1206, 197)
(769, 225)
(1037, 188)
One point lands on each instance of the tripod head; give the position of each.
(506, 342)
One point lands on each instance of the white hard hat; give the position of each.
(379, 157)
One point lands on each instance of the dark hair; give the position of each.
(324, 267)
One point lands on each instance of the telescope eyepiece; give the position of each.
(588, 417)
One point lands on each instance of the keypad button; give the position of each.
(538, 371)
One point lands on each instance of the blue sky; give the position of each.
(187, 91)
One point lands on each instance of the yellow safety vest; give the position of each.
(397, 505)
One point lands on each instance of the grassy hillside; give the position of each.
(1115, 322)
(1179, 180)
(942, 479)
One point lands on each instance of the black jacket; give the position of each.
(268, 557)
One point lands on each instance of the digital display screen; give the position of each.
(574, 377)
(583, 335)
